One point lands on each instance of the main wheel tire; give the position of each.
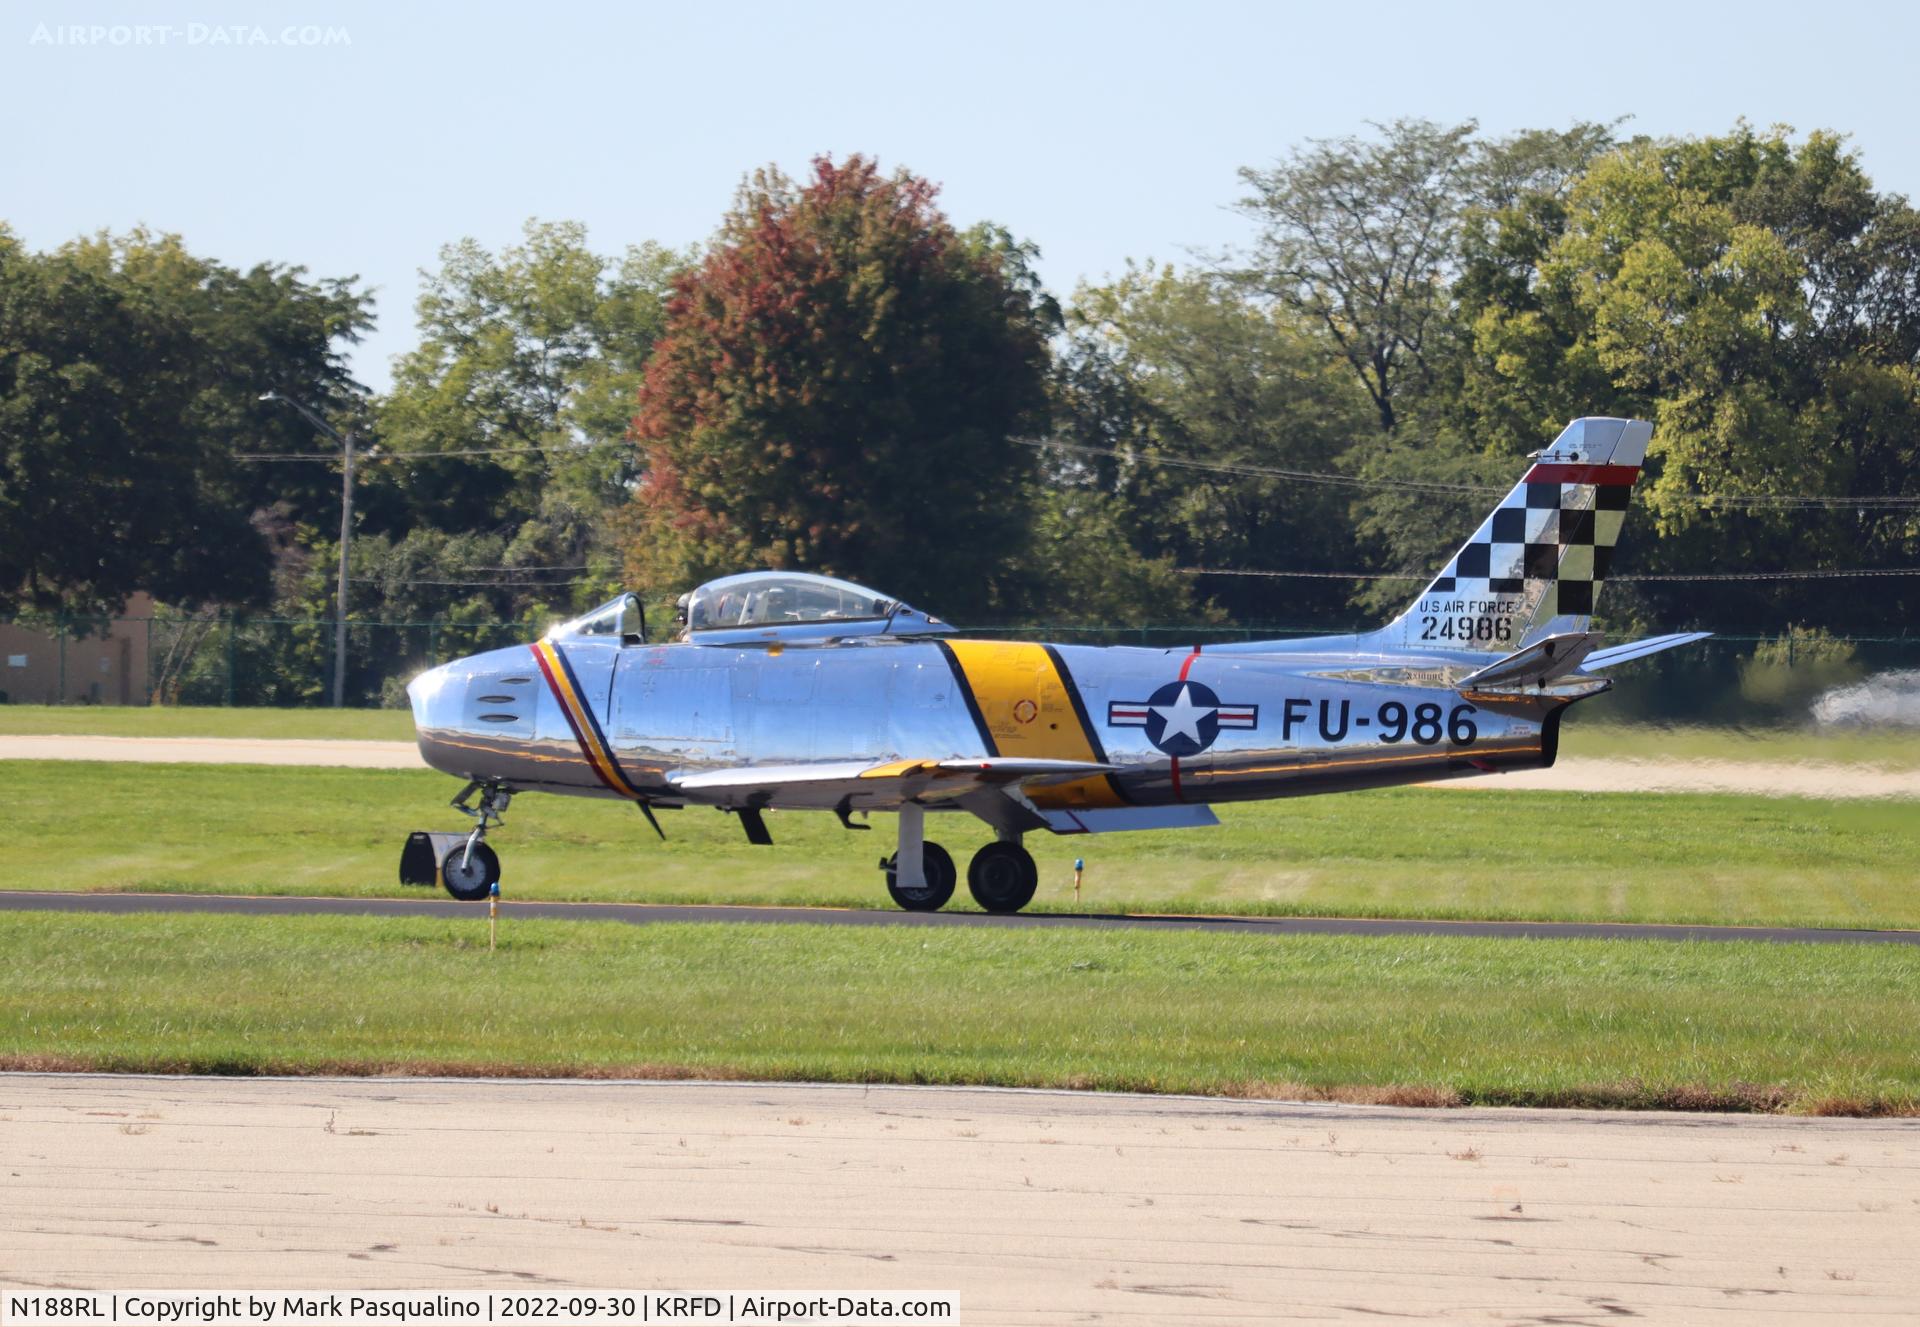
(470, 878)
(1003, 877)
(941, 875)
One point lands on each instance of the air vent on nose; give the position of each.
(499, 718)
(515, 681)
(496, 700)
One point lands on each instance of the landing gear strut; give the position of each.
(471, 870)
(926, 882)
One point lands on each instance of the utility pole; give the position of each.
(346, 535)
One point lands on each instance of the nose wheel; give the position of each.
(470, 871)
(463, 864)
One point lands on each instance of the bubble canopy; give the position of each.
(778, 604)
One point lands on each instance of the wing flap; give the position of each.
(1116, 819)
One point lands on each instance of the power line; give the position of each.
(1836, 574)
(1780, 501)
(396, 456)
(1305, 575)
(480, 584)
(1849, 574)
(1267, 471)
(1790, 501)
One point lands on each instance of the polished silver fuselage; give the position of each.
(1291, 717)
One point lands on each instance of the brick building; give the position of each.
(43, 667)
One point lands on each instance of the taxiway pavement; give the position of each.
(641, 914)
(1029, 1207)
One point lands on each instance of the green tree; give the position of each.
(1203, 390)
(842, 386)
(129, 376)
(1359, 237)
(524, 377)
(531, 355)
(1760, 301)
(1084, 569)
(1428, 486)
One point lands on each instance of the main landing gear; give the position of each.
(937, 880)
(463, 864)
(1002, 876)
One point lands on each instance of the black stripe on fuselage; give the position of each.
(1086, 722)
(632, 788)
(966, 693)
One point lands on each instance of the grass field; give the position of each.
(1414, 852)
(207, 721)
(1892, 749)
(1826, 1028)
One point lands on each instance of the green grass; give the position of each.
(1806, 1027)
(204, 721)
(1413, 852)
(1893, 749)
(1888, 748)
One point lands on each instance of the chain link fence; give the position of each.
(1736, 678)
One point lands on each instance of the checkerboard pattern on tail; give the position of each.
(1535, 565)
(1559, 533)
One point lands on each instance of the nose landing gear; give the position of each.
(471, 870)
(463, 864)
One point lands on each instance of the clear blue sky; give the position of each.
(1101, 131)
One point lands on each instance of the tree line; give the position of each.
(841, 379)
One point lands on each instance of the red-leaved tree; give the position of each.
(840, 388)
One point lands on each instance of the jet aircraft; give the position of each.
(803, 692)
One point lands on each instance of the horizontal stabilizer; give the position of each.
(1130, 817)
(1639, 649)
(1539, 662)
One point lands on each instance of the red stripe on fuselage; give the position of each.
(1185, 668)
(566, 712)
(1582, 474)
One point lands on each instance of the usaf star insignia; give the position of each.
(1182, 718)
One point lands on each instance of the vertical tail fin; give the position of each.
(1535, 566)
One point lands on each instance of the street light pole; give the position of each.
(346, 535)
(340, 593)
